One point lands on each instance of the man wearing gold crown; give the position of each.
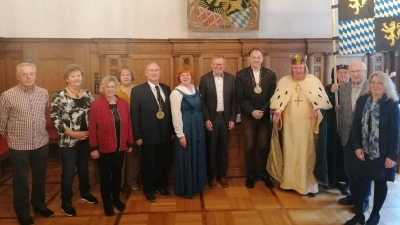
(296, 103)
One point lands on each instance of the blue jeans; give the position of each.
(71, 158)
(21, 160)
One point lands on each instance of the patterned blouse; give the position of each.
(66, 114)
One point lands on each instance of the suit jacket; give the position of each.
(389, 131)
(209, 97)
(346, 111)
(246, 98)
(144, 107)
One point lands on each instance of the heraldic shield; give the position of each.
(239, 13)
(208, 18)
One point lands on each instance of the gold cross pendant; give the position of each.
(298, 101)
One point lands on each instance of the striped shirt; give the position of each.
(23, 117)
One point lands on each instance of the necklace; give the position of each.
(257, 86)
(76, 94)
(298, 100)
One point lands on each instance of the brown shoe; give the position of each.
(213, 183)
(224, 182)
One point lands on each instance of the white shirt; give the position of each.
(355, 93)
(153, 88)
(219, 85)
(176, 102)
(257, 77)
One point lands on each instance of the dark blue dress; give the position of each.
(190, 162)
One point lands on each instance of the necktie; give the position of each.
(159, 98)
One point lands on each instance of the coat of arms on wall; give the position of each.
(223, 15)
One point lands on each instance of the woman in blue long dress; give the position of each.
(189, 149)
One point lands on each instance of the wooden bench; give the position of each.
(4, 152)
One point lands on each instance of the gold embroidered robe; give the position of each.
(297, 132)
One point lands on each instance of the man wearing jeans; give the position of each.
(23, 111)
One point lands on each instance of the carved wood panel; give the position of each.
(280, 66)
(2, 76)
(51, 60)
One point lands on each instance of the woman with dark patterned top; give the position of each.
(110, 136)
(70, 115)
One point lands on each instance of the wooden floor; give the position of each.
(235, 205)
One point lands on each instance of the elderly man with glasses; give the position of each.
(348, 95)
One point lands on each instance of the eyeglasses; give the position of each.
(153, 71)
(218, 65)
(356, 71)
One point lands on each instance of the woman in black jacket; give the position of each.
(375, 132)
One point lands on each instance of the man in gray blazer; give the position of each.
(348, 95)
(217, 90)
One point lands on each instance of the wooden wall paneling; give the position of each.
(139, 62)
(51, 60)
(11, 54)
(2, 74)
(94, 70)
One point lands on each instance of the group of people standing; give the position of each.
(149, 127)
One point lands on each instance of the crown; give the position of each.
(298, 60)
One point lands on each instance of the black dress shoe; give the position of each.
(150, 196)
(250, 182)
(348, 200)
(108, 210)
(164, 192)
(119, 204)
(344, 189)
(189, 196)
(365, 208)
(268, 182)
(311, 194)
(373, 219)
(44, 212)
(25, 221)
(357, 219)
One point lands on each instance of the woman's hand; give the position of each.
(80, 135)
(276, 117)
(389, 163)
(360, 154)
(129, 150)
(95, 154)
(182, 141)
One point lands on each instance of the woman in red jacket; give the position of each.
(110, 135)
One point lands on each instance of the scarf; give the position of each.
(370, 128)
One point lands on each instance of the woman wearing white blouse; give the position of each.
(189, 155)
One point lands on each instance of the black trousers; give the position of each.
(155, 162)
(110, 165)
(360, 187)
(348, 155)
(257, 138)
(21, 160)
(217, 148)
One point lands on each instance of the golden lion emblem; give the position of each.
(355, 4)
(390, 30)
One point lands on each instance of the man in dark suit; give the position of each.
(152, 130)
(217, 90)
(255, 86)
(348, 95)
